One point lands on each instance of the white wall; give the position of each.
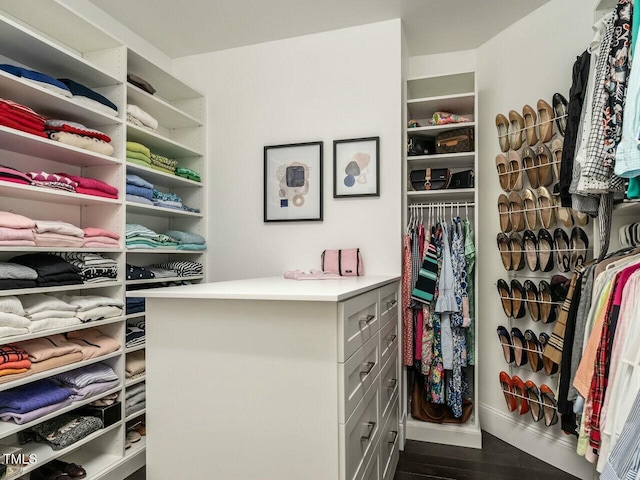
(442, 63)
(327, 86)
(532, 59)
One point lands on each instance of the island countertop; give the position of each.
(273, 288)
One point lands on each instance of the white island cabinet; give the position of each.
(273, 379)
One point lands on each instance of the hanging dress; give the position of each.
(470, 258)
(407, 312)
(436, 372)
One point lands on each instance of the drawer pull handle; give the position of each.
(395, 437)
(367, 437)
(368, 369)
(392, 383)
(391, 304)
(390, 339)
(366, 321)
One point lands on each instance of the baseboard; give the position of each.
(544, 445)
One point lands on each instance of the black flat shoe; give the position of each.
(533, 300)
(550, 367)
(518, 299)
(579, 247)
(550, 406)
(505, 297)
(531, 250)
(560, 109)
(545, 250)
(504, 246)
(547, 305)
(534, 351)
(519, 344)
(507, 347)
(561, 241)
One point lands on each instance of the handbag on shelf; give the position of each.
(455, 141)
(464, 179)
(430, 179)
(420, 146)
(346, 263)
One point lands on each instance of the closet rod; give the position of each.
(443, 204)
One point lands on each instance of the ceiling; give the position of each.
(189, 27)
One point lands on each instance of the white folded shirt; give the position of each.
(63, 228)
(87, 302)
(39, 302)
(11, 304)
(13, 320)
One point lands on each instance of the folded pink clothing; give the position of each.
(16, 234)
(93, 184)
(312, 275)
(96, 193)
(13, 220)
(107, 240)
(42, 176)
(93, 343)
(100, 232)
(40, 349)
(15, 180)
(57, 240)
(88, 244)
(18, 243)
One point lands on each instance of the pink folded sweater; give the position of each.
(100, 232)
(57, 240)
(13, 220)
(8, 234)
(93, 184)
(106, 240)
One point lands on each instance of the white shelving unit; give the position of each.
(47, 36)
(455, 94)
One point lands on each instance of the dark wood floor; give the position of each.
(496, 461)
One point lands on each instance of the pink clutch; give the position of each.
(346, 263)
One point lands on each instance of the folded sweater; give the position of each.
(62, 228)
(13, 220)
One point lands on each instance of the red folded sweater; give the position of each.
(9, 122)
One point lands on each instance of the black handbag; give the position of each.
(429, 179)
(465, 179)
(420, 146)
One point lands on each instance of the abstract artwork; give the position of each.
(356, 167)
(293, 182)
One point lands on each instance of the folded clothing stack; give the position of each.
(11, 175)
(40, 178)
(20, 117)
(140, 83)
(135, 336)
(188, 173)
(183, 268)
(16, 230)
(138, 273)
(135, 399)
(95, 307)
(163, 164)
(106, 400)
(50, 352)
(139, 117)
(65, 430)
(58, 234)
(88, 381)
(78, 135)
(100, 238)
(33, 400)
(166, 200)
(13, 360)
(139, 154)
(38, 78)
(187, 240)
(135, 364)
(93, 343)
(14, 275)
(88, 97)
(139, 190)
(138, 322)
(138, 236)
(93, 186)
(46, 311)
(12, 317)
(135, 305)
(93, 267)
(51, 270)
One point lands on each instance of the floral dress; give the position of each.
(470, 258)
(436, 372)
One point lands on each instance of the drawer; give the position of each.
(389, 448)
(357, 375)
(359, 435)
(389, 385)
(358, 321)
(388, 340)
(388, 303)
(372, 472)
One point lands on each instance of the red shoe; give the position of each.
(519, 394)
(535, 401)
(507, 390)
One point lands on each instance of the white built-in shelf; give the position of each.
(32, 145)
(96, 464)
(445, 160)
(60, 249)
(162, 280)
(10, 428)
(133, 381)
(139, 446)
(433, 130)
(25, 46)
(52, 195)
(161, 178)
(134, 349)
(54, 331)
(62, 288)
(135, 315)
(142, 209)
(166, 114)
(55, 371)
(159, 144)
(137, 414)
(164, 251)
(51, 104)
(423, 108)
(44, 453)
(443, 195)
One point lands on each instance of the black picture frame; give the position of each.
(298, 176)
(341, 166)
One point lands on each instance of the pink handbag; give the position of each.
(346, 263)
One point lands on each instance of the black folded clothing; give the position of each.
(135, 305)
(59, 280)
(45, 264)
(138, 273)
(140, 83)
(13, 283)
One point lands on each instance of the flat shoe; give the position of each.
(545, 119)
(579, 246)
(564, 214)
(545, 166)
(530, 120)
(533, 305)
(515, 165)
(535, 401)
(505, 297)
(519, 344)
(550, 367)
(507, 390)
(522, 404)
(563, 254)
(556, 152)
(517, 299)
(560, 109)
(547, 305)
(531, 249)
(71, 469)
(516, 208)
(545, 250)
(581, 219)
(534, 351)
(507, 347)
(545, 204)
(550, 406)
(516, 127)
(502, 124)
(502, 165)
(516, 246)
(530, 162)
(531, 210)
(133, 436)
(503, 245)
(503, 213)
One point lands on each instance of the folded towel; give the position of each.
(143, 116)
(138, 181)
(63, 228)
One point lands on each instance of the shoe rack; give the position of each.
(424, 96)
(539, 243)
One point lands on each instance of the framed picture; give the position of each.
(293, 182)
(356, 167)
